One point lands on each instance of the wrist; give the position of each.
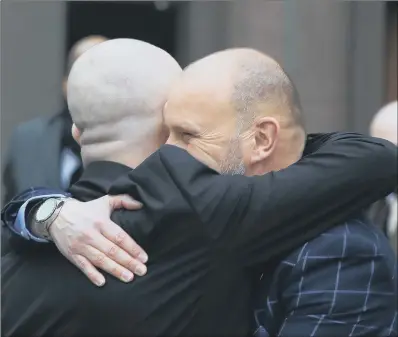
(31, 223)
(45, 215)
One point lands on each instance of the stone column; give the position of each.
(32, 61)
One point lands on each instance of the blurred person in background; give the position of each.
(384, 212)
(48, 135)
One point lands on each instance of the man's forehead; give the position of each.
(199, 104)
(199, 92)
(197, 118)
(199, 100)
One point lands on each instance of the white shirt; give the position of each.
(70, 163)
(392, 218)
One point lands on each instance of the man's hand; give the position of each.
(85, 235)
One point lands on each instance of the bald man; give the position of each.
(208, 236)
(384, 212)
(116, 93)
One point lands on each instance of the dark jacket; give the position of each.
(206, 235)
(33, 157)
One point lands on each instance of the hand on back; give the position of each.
(85, 235)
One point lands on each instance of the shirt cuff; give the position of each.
(20, 227)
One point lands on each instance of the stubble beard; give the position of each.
(233, 161)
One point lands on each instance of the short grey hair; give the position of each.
(261, 79)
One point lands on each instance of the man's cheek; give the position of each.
(198, 149)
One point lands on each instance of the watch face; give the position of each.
(46, 210)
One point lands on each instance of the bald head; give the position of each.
(116, 93)
(240, 105)
(254, 83)
(385, 123)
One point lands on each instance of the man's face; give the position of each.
(203, 123)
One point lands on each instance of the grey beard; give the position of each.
(233, 162)
(234, 169)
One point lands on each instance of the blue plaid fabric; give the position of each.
(14, 213)
(343, 283)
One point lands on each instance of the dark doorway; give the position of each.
(139, 20)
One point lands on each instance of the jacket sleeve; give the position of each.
(342, 286)
(262, 217)
(15, 231)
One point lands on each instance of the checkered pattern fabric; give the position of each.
(343, 283)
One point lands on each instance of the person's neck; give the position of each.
(131, 155)
(288, 151)
(274, 163)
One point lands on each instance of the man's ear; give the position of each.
(76, 133)
(266, 132)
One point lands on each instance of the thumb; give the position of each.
(123, 201)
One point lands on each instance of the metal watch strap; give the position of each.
(47, 223)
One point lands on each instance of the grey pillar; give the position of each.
(367, 67)
(32, 62)
(309, 38)
(257, 24)
(201, 29)
(315, 54)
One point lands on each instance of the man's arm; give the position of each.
(269, 215)
(16, 212)
(128, 257)
(15, 234)
(264, 216)
(340, 285)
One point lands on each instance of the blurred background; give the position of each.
(341, 55)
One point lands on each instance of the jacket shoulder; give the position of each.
(35, 125)
(357, 237)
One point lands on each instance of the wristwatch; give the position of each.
(46, 214)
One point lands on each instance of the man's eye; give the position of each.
(186, 135)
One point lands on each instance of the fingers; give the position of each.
(119, 257)
(123, 201)
(100, 260)
(124, 241)
(89, 239)
(88, 269)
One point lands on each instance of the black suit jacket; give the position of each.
(33, 157)
(205, 235)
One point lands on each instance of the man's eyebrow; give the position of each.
(187, 127)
